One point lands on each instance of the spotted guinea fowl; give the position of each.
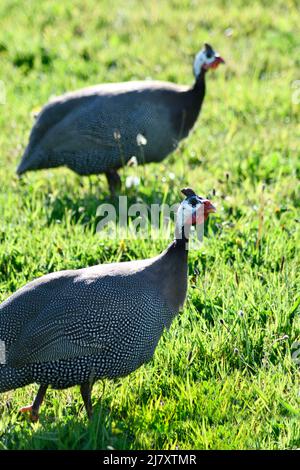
(74, 327)
(98, 129)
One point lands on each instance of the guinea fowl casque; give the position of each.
(95, 130)
(75, 327)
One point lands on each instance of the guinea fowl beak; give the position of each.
(218, 60)
(199, 216)
(209, 207)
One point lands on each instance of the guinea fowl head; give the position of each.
(193, 210)
(206, 59)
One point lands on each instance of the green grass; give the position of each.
(219, 379)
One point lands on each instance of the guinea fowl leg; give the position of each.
(86, 390)
(114, 181)
(34, 408)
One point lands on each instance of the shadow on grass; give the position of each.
(67, 428)
(83, 209)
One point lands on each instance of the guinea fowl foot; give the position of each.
(33, 414)
(114, 182)
(34, 408)
(86, 390)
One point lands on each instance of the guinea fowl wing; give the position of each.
(111, 312)
(80, 129)
(60, 331)
(53, 113)
(111, 124)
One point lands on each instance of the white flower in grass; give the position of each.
(228, 32)
(117, 135)
(132, 181)
(132, 161)
(172, 176)
(141, 140)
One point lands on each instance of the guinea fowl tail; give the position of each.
(11, 378)
(27, 162)
(33, 159)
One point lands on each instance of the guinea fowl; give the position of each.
(98, 129)
(74, 327)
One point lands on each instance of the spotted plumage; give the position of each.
(78, 326)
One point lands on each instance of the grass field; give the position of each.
(223, 377)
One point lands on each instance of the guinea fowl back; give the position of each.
(25, 304)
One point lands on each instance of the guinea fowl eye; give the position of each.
(193, 201)
(209, 54)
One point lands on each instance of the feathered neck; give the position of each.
(181, 239)
(193, 103)
(175, 277)
(199, 85)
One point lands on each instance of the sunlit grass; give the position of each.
(223, 376)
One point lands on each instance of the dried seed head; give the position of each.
(132, 162)
(117, 135)
(141, 140)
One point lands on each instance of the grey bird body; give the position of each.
(95, 129)
(77, 326)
